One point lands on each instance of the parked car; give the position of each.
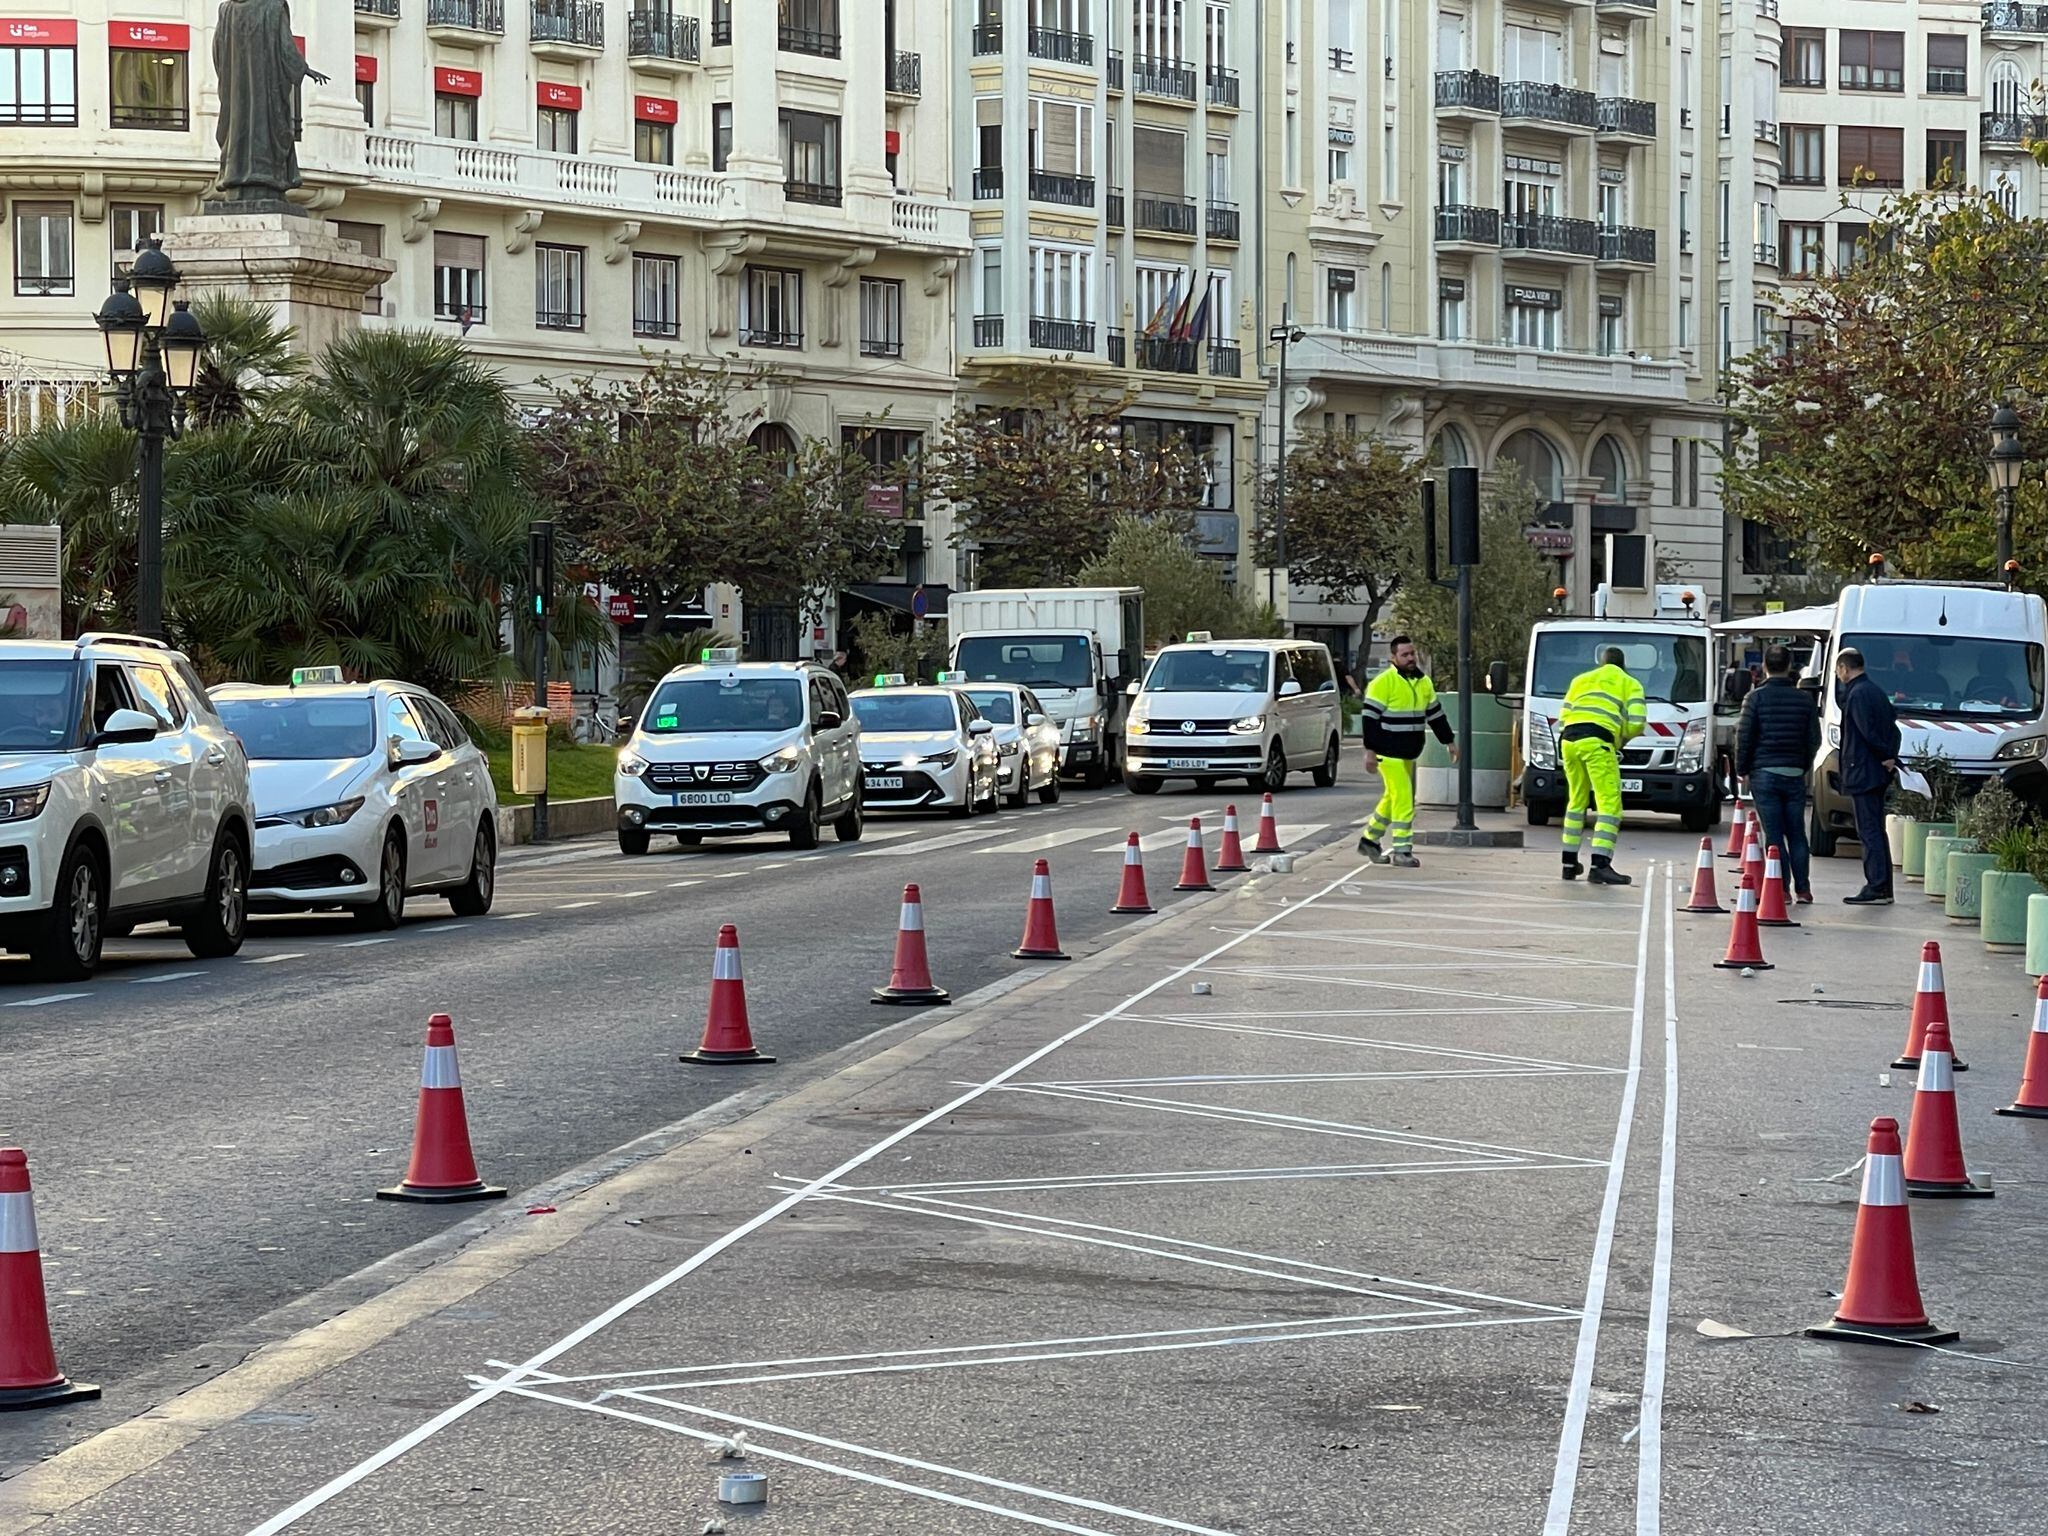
(1211, 709)
(926, 749)
(1027, 738)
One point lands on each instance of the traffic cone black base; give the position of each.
(1873, 1333)
(703, 1058)
(442, 1196)
(47, 1397)
(2022, 1112)
(1948, 1191)
(911, 997)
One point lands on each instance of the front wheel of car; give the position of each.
(1023, 796)
(216, 929)
(1326, 774)
(66, 947)
(849, 827)
(1140, 785)
(1049, 791)
(803, 833)
(388, 910)
(632, 841)
(473, 897)
(1274, 779)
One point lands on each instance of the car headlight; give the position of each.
(1541, 747)
(1136, 727)
(940, 759)
(785, 761)
(631, 764)
(324, 815)
(2026, 746)
(21, 804)
(1084, 730)
(1008, 748)
(1248, 724)
(1692, 747)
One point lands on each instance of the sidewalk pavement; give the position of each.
(1348, 1199)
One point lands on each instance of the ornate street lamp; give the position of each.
(153, 348)
(2008, 463)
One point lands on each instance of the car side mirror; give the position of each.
(1134, 689)
(407, 752)
(1123, 663)
(830, 720)
(980, 728)
(1497, 678)
(1735, 685)
(626, 724)
(1034, 719)
(1809, 685)
(1289, 689)
(125, 727)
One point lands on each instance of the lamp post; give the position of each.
(2008, 461)
(1284, 334)
(153, 348)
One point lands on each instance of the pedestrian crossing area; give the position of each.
(1093, 837)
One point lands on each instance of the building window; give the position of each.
(657, 296)
(1947, 159)
(721, 134)
(1726, 354)
(1948, 64)
(881, 317)
(1852, 244)
(454, 116)
(131, 224)
(1611, 339)
(654, 143)
(989, 264)
(1685, 322)
(1062, 283)
(772, 308)
(366, 98)
(1760, 318)
(893, 453)
(371, 238)
(810, 158)
(1870, 157)
(1532, 317)
(1060, 138)
(555, 130)
(1802, 249)
(1338, 287)
(1532, 53)
(1872, 61)
(459, 278)
(43, 264)
(39, 85)
(1340, 165)
(1804, 57)
(1805, 148)
(810, 26)
(558, 287)
(146, 88)
(1450, 309)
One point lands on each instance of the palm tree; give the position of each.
(248, 356)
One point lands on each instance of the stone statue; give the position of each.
(258, 69)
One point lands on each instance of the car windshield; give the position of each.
(904, 712)
(1954, 674)
(1671, 668)
(301, 729)
(1218, 669)
(999, 707)
(1037, 661)
(686, 706)
(38, 705)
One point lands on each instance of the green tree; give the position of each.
(1183, 591)
(247, 358)
(1511, 586)
(1868, 433)
(1350, 501)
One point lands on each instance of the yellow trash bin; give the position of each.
(530, 752)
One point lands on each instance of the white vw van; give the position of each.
(1252, 709)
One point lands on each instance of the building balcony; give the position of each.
(1223, 88)
(566, 29)
(1113, 210)
(988, 183)
(1223, 222)
(2005, 16)
(816, 194)
(1151, 76)
(1161, 355)
(1460, 224)
(1765, 254)
(1467, 93)
(1558, 105)
(988, 330)
(1628, 246)
(1766, 132)
(988, 39)
(1059, 47)
(1061, 187)
(906, 75)
(376, 13)
(1225, 362)
(159, 119)
(1767, 9)
(1113, 69)
(1118, 351)
(818, 42)
(465, 21)
(2016, 130)
(1166, 215)
(1482, 368)
(1550, 235)
(663, 43)
(1625, 10)
(1617, 118)
(1052, 335)
(921, 221)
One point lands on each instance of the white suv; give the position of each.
(123, 798)
(727, 748)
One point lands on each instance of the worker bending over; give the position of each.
(1603, 712)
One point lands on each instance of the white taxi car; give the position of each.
(1027, 738)
(725, 748)
(925, 749)
(365, 794)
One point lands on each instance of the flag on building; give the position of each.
(1164, 313)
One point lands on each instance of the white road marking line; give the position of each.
(778, 864)
(1048, 840)
(1290, 973)
(1361, 1171)
(420, 1434)
(151, 981)
(1650, 1455)
(1571, 1435)
(366, 943)
(731, 874)
(1413, 1048)
(932, 844)
(574, 906)
(297, 954)
(449, 927)
(631, 895)
(509, 917)
(1439, 953)
(52, 997)
(1177, 837)
(676, 885)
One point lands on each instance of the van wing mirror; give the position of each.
(1289, 689)
(1735, 685)
(1133, 688)
(410, 752)
(830, 720)
(1497, 678)
(125, 727)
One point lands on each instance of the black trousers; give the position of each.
(1877, 853)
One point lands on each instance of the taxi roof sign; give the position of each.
(953, 677)
(720, 655)
(1200, 636)
(301, 676)
(890, 680)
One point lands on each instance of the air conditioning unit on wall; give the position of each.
(32, 581)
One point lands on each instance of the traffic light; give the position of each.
(1464, 488)
(540, 565)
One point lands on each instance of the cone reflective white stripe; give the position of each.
(18, 1223)
(1745, 899)
(1230, 818)
(1773, 870)
(1131, 851)
(725, 963)
(439, 1070)
(1930, 977)
(1706, 858)
(912, 918)
(1937, 1073)
(1041, 887)
(1884, 1180)
(1194, 834)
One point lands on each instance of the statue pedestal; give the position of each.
(295, 262)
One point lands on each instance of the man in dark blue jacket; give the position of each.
(1869, 758)
(1774, 750)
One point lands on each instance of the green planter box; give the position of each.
(1962, 896)
(1935, 876)
(2037, 935)
(2003, 905)
(1914, 860)
(1895, 836)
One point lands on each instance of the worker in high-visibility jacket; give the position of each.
(1400, 704)
(1603, 712)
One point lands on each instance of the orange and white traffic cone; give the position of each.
(1269, 829)
(1930, 1002)
(29, 1377)
(1881, 1298)
(443, 1168)
(2032, 1103)
(1738, 831)
(1752, 866)
(1934, 1136)
(728, 1040)
(1131, 897)
(1230, 857)
(1745, 944)
(1704, 898)
(1194, 874)
(1041, 933)
(910, 974)
(1770, 908)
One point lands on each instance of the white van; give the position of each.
(1257, 709)
(1962, 663)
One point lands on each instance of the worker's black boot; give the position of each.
(1604, 874)
(1572, 868)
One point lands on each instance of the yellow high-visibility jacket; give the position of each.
(1607, 698)
(1397, 711)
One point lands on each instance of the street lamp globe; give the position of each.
(2008, 459)
(121, 322)
(154, 277)
(183, 340)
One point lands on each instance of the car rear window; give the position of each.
(301, 729)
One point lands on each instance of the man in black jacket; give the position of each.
(1774, 750)
(1869, 758)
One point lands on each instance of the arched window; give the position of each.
(1530, 451)
(773, 438)
(1610, 470)
(1451, 450)
(2005, 86)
